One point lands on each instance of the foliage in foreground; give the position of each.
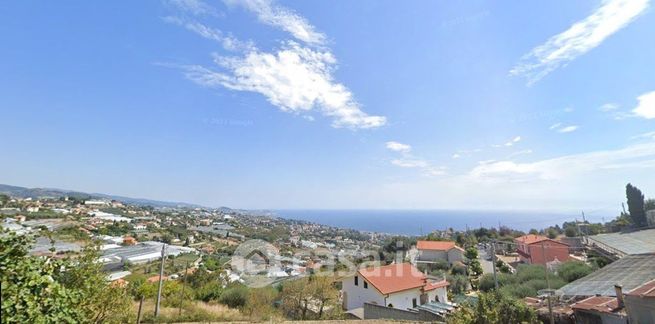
(494, 308)
(49, 290)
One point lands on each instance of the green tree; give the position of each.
(636, 205)
(50, 290)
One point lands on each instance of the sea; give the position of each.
(420, 222)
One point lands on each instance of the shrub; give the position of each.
(234, 296)
(210, 291)
(458, 283)
(458, 269)
(573, 270)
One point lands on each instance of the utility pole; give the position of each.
(161, 278)
(186, 270)
(550, 306)
(138, 315)
(493, 260)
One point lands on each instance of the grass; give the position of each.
(191, 312)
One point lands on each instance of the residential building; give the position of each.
(433, 251)
(630, 272)
(640, 303)
(599, 310)
(399, 285)
(537, 249)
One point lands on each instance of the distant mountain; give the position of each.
(22, 192)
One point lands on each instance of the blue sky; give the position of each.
(334, 104)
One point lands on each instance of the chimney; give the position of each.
(619, 295)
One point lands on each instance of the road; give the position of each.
(487, 266)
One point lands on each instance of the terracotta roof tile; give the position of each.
(398, 277)
(435, 245)
(530, 238)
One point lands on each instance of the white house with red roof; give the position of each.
(433, 251)
(398, 285)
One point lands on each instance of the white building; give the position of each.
(140, 228)
(434, 251)
(400, 286)
(96, 203)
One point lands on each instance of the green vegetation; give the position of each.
(494, 308)
(525, 283)
(49, 290)
(636, 205)
(573, 270)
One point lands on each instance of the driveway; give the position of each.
(487, 266)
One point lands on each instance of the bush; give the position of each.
(458, 284)
(441, 265)
(573, 270)
(458, 269)
(526, 272)
(519, 291)
(234, 296)
(210, 291)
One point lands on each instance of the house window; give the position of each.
(413, 302)
(365, 284)
(356, 281)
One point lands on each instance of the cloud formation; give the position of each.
(227, 41)
(608, 107)
(579, 39)
(561, 128)
(407, 160)
(398, 147)
(270, 13)
(295, 78)
(194, 7)
(635, 156)
(646, 106)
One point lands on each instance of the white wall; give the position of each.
(403, 299)
(439, 294)
(356, 296)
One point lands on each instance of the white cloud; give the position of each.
(580, 38)
(608, 107)
(195, 7)
(635, 156)
(646, 106)
(648, 135)
(456, 156)
(228, 41)
(554, 126)
(561, 128)
(510, 142)
(286, 19)
(398, 147)
(568, 129)
(295, 79)
(409, 161)
(522, 152)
